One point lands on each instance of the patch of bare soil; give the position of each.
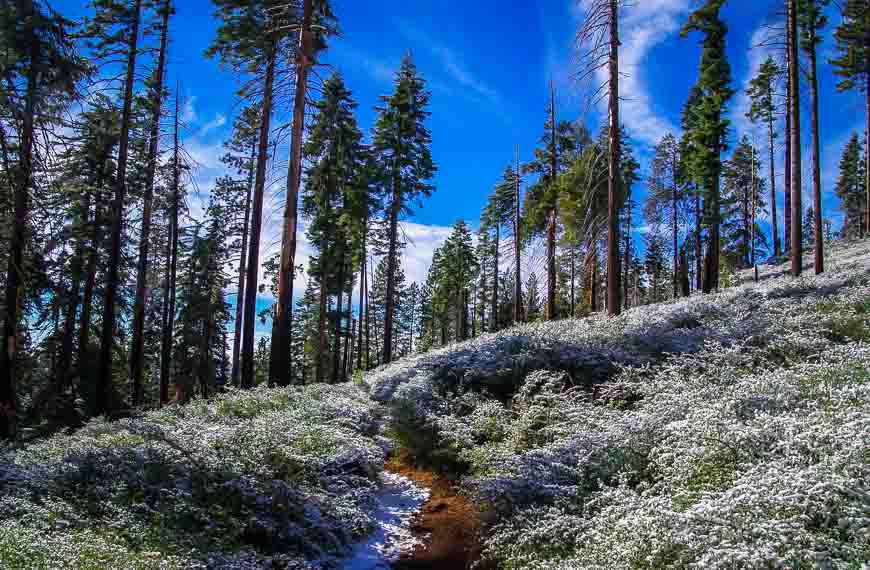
(448, 524)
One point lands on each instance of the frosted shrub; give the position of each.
(282, 475)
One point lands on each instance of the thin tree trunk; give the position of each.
(698, 255)
(368, 329)
(107, 341)
(495, 277)
(362, 281)
(348, 335)
(613, 307)
(250, 316)
(390, 304)
(626, 262)
(551, 218)
(776, 245)
(754, 213)
(15, 278)
(69, 325)
(322, 335)
(279, 369)
(518, 285)
(788, 122)
(819, 255)
(138, 346)
(674, 228)
(171, 268)
(796, 206)
(338, 316)
(867, 150)
(240, 293)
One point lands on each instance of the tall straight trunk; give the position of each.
(867, 156)
(819, 255)
(362, 282)
(613, 307)
(72, 308)
(171, 267)
(593, 279)
(626, 264)
(796, 198)
(773, 218)
(348, 335)
(746, 222)
(338, 316)
(495, 277)
(322, 334)
(573, 280)
(464, 314)
(473, 310)
(279, 368)
(752, 239)
(138, 346)
(788, 122)
(15, 279)
(699, 259)
(250, 316)
(107, 340)
(392, 263)
(368, 328)
(674, 228)
(240, 293)
(551, 217)
(518, 284)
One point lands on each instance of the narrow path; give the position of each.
(447, 525)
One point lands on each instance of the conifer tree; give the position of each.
(764, 109)
(533, 299)
(852, 38)
(401, 147)
(666, 193)
(850, 187)
(709, 126)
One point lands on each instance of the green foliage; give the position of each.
(851, 186)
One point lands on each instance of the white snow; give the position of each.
(398, 501)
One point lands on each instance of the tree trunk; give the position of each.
(322, 334)
(613, 307)
(573, 280)
(819, 255)
(776, 246)
(240, 293)
(279, 369)
(495, 278)
(788, 122)
(171, 269)
(138, 346)
(338, 316)
(551, 218)
(362, 281)
(518, 285)
(250, 316)
(348, 334)
(796, 206)
(392, 264)
(15, 278)
(699, 259)
(867, 150)
(368, 319)
(626, 262)
(107, 341)
(64, 377)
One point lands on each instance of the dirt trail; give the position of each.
(448, 524)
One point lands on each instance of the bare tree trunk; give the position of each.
(699, 259)
(171, 268)
(573, 280)
(240, 293)
(819, 255)
(773, 218)
(250, 315)
(796, 206)
(107, 344)
(626, 262)
(518, 290)
(674, 228)
(867, 150)
(362, 308)
(322, 335)
(368, 329)
(279, 369)
(348, 335)
(613, 307)
(338, 316)
(788, 122)
(392, 263)
(15, 278)
(551, 218)
(138, 346)
(494, 323)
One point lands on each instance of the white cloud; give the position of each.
(758, 50)
(218, 121)
(188, 112)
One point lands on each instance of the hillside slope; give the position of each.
(714, 432)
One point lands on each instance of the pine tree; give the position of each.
(850, 187)
(401, 146)
(533, 299)
(764, 109)
(709, 126)
(809, 227)
(852, 37)
(741, 203)
(666, 195)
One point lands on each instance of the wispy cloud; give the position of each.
(452, 63)
(759, 49)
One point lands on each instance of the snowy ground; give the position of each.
(398, 501)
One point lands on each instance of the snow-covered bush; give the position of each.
(286, 475)
(724, 431)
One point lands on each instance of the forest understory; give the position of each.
(716, 431)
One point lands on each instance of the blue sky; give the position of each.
(487, 63)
